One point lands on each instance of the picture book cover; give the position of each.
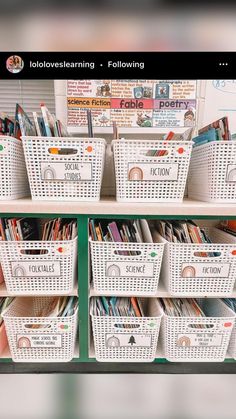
(25, 124)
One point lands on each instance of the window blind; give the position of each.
(28, 93)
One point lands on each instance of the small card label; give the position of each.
(199, 339)
(151, 171)
(39, 341)
(66, 171)
(125, 339)
(206, 270)
(231, 173)
(36, 268)
(131, 269)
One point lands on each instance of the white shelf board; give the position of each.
(5, 293)
(161, 293)
(109, 205)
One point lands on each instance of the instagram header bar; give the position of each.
(133, 65)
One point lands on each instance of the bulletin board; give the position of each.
(132, 103)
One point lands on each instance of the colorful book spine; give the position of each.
(205, 137)
(135, 306)
(45, 120)
(114, 232)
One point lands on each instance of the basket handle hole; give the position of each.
(62, 151)
(126, 326)
(38, 326)
(207, 254)
(155, 153)
(130, 253)
(200, 326)
(34, 251)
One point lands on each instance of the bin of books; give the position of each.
(13, 175)
(125, 329)
(196, 261)
(39, 267)
(196, 330)
(64, 168)
(152, 170)
(42, 329)
(212, 173)
(125, 261)
(231, 302)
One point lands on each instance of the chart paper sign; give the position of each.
(132, 103)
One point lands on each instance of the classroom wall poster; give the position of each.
(220, 100)
(132, 103)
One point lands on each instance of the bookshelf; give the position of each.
(84, 360)
(161, 293)
(109, 205)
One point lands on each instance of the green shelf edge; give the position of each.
(93, 360)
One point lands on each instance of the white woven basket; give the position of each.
(188, 274)
(136, 341)
(52, 339)
(13, 175)
(185, 342)
(66, 177)
(212, 173)
(142, 178)
(35, 274)
(123, 274)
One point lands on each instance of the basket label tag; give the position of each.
(132, 340)
(231, 173)
(36, 268)
(66, 171)
(207, 270)
(39, 341)
(199, 339)
(131, 269)
(152, 171)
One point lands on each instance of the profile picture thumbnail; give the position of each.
(14, 64)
